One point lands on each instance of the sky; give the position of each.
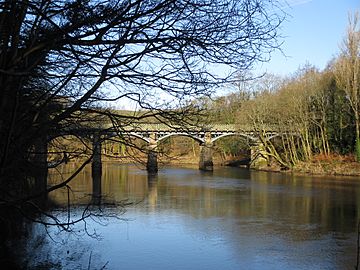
(313, 32)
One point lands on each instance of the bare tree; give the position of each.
(347, 69)
(60, 61)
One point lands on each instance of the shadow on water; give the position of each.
(17, 213)
(17, 224)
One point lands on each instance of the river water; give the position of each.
(183, 218)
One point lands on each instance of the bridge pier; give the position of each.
(96, 165)
(258, 155)
(152, 163)
(206, 154)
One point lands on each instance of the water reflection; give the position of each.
(229, 219)
(96, 188)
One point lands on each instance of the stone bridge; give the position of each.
(153, 134)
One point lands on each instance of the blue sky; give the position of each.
(312, 34)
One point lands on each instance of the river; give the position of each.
(182, 218)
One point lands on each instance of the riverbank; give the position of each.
(319, 165)
(329, 166)
(323, 165)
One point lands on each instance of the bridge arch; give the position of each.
(275, 135)
(243, 135)
(130, 134)
(198, 139)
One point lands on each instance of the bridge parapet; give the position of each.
(195, 128)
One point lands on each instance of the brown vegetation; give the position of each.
(330, 165)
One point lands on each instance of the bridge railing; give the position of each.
(200, 128)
